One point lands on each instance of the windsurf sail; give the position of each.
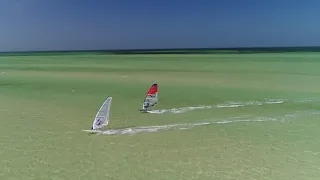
(102, 117)
(151, 98)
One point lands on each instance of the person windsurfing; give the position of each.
(151, 98)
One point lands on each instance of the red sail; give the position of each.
(153, 90)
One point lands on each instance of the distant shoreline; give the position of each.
(247, 50)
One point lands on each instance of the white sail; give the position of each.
(150, 101)
(102, 117)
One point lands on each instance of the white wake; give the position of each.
(230, 104)
(178, 110)
(184, 126)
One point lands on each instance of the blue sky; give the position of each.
(136, 24)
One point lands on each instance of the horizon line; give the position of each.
(158, 49)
